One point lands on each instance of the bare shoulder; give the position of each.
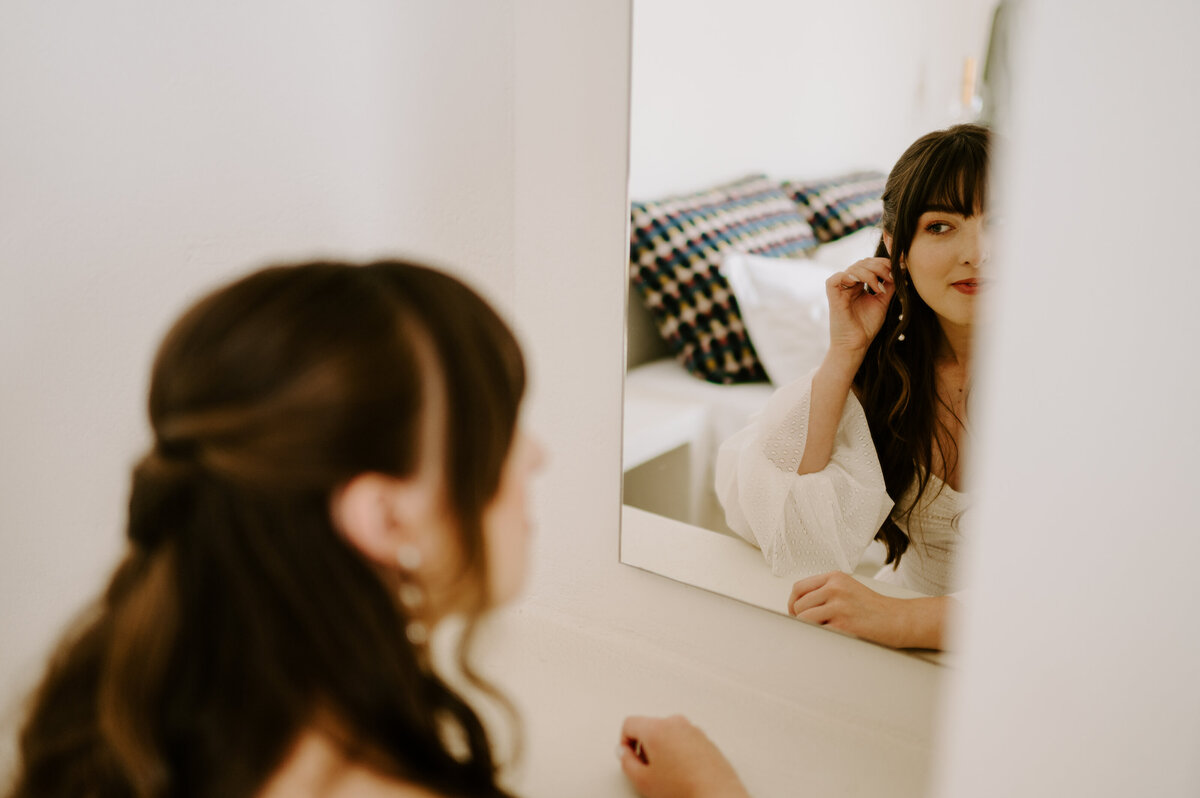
(315, 768)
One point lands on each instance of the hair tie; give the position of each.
(174, 451)
(162, 493)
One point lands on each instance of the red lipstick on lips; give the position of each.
(970, 287)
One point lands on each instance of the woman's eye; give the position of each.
(937, 228)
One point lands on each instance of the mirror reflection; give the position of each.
(800, 322)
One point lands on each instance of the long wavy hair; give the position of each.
(897, 381)
(239, 617)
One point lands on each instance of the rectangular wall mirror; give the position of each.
(762, 93)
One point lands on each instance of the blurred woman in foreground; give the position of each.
(337, 466)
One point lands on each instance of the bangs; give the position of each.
(956, 178)
(483, 372)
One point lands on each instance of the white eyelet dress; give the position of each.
(814, 523)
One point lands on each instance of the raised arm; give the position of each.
(802, 481)
(858, 302)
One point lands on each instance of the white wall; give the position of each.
(149, 151)
(800, 89)
(1081, 646)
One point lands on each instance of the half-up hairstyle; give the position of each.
(239, 617)
(897, 382)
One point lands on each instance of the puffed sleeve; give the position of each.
(804, 524)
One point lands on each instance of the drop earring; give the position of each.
(411, 595)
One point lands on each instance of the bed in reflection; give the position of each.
(727, 301)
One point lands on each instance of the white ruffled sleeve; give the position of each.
(807, 524)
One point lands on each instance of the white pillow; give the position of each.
(848, 249)
(783, 305)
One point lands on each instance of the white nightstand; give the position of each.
(662, 439)
(655, 425)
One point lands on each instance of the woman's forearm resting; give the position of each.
(841, 602)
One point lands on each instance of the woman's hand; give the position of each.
(858, 302)
(840, 601)
(671, 758)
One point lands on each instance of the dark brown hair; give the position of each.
(897, 381)
(239, 617)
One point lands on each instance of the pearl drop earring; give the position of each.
(411, 595)
(408, 556)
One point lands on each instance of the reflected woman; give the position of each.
(337, 466)
(870, 445)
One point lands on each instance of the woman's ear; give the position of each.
(887, 242)
(379, 514)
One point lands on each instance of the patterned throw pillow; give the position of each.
(840, 205)
(676, 246)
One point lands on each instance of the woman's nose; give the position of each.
(976, 245)
(538, 454)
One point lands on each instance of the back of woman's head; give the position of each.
(944, 170)
(241, 615)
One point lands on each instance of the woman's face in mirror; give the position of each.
(944, 262)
